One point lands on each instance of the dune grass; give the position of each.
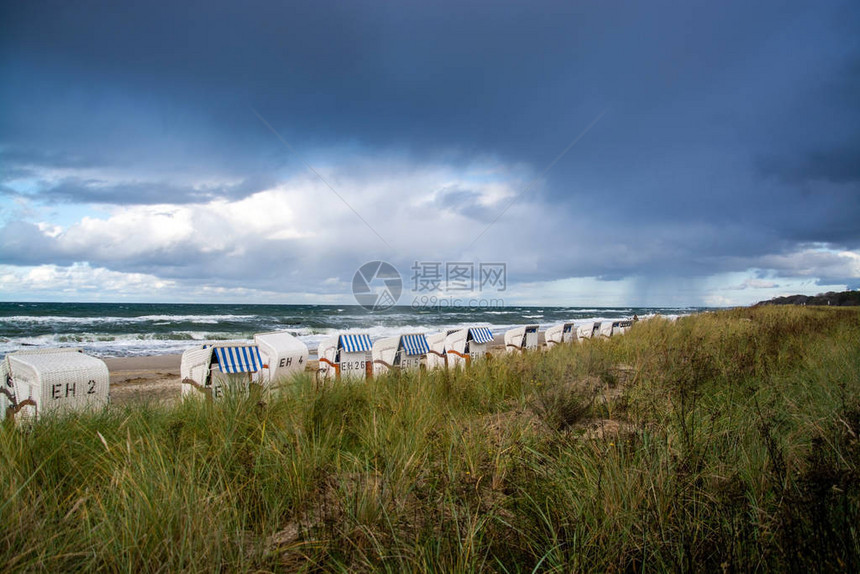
(723, 441)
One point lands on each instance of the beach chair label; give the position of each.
(70, 389)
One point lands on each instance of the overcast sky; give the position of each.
(610, 153)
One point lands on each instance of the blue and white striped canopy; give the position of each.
(415, 344)
(355, 343)
(238, 359)
(481, 334)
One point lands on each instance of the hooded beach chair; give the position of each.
(621, 327)
(558, 334)
(605, 329)
(345, 356)
(7, 390)
(282, 355)
(614, 327)
(404, 352)
(216, 368)
(437, 358)
(51, 380)
(521, 338)
(588, 330)
(468, 344)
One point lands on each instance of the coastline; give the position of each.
(130, 330)
(157, 377)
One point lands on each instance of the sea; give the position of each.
(122, 329)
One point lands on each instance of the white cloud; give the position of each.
(78, 279)
(298, 241)
(757, 284)
(82, 282)
(49, 229)
(748, 287)
(300, 220)
(815, 263)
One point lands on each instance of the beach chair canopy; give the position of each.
(415, 344)
(242, 359)
(481, 334)
(355, 343)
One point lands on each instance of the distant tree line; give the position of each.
(843, 299)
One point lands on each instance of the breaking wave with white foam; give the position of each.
(111, 330)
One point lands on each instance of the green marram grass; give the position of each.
(724, 441)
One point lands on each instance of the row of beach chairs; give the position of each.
(355, 356)
(46, 380)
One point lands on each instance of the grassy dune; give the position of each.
(724, 441)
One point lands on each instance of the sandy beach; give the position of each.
(144, 378)
(157, 377)
(135, 379)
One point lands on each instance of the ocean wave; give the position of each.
(133, 344)
(163, 319)
(152, 334)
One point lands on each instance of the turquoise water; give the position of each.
(120, 329)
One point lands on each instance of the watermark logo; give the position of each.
(450, 276)
(377, 286)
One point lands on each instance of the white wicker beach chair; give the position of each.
(588, 330)
(605, 329)
(468, 344)
(213, 369)
(49, 380)
(282, 354)
(7, 390)
(403, 352)
(558, 334)
(345, 356)
(521, 338)
(437, 358)
(621, 327)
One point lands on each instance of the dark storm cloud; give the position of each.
(836, 165)
(732, 129)
(466, 202)
(22, 243)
